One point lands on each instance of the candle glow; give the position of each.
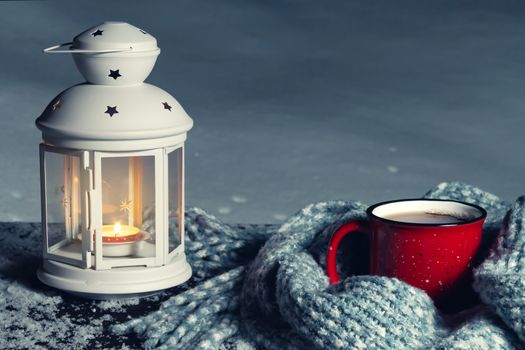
(120, 233)
(117, 228)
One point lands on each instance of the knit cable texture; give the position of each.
(264, 287)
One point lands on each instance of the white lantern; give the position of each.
(112, 172)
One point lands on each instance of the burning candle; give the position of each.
(120, 233)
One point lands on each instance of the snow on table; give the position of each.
(34, 316)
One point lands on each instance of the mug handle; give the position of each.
(331, 255)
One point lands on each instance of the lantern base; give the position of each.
(122, 282)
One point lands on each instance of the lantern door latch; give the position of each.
(88, 204)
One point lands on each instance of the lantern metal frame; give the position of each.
(170, 267)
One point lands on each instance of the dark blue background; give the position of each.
(295, 101)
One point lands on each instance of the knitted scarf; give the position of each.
(264, 287)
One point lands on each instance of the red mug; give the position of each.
(430, 244)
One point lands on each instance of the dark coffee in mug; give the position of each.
(422, 217)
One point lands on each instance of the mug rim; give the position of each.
(482, 216)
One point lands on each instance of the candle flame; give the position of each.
(117, 228)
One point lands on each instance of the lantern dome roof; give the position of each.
(112, 35)
(89, 116)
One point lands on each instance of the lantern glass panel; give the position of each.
(62, 199)
(175, 198)
(128, 206)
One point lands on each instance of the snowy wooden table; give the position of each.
(33, 316)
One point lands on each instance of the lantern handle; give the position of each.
(53, 49)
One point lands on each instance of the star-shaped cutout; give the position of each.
(97, 32)
(57, 104)
(114, 74)
(111, 111)
(166, 106)
(65, 202)
(126, 206)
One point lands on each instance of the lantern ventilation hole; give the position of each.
(166, 106)
(111, 110)
(97, 32)
(115, 74)
(58, 103)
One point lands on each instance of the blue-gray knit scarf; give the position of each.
(264, 287)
